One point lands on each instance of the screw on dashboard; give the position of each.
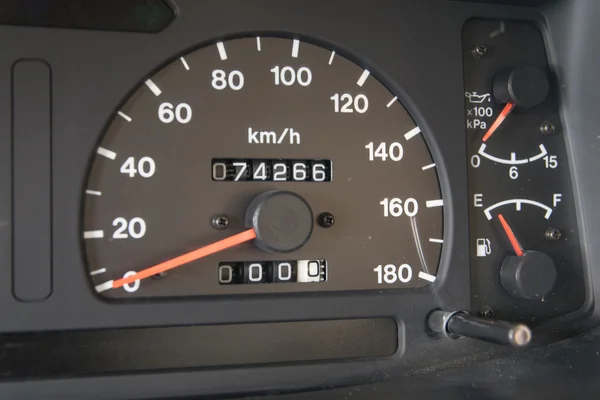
(547, 128)
(553, 234)
(487, 312)
(479, 51)
(160, 275)
(326, 220)
(220, 221)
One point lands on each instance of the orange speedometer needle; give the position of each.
(511, 236)
(188, 257)
(507, 110)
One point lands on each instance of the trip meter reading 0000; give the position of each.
(261, 165)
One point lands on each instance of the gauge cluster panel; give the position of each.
(282, 189)
(525, 250)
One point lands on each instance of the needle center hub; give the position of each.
(531, 276)
(283, 221)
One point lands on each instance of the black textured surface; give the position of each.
(564, 370)
(115, 15)
(32, 166)
(528, 3)
(80, 353)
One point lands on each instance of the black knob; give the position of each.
(526, 87)
(282, 220)
(531, 276)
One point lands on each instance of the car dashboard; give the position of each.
(299, 199)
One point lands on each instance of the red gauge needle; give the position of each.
(508, 108)
(511, 236)
(188, 257)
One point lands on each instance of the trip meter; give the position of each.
(525, 256)
(261, 165)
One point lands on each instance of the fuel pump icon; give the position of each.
(484, 247)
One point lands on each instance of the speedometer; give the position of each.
(261, 165)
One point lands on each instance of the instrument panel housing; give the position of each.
(93, 71)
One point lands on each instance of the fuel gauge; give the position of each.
(525, 256)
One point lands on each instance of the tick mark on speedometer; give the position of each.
(258, 43)
(412, 133)
(222, 52)
(93, 192)
(392, 101)
(295, 48)
(429, 166)
(93, 234)
(104, 286)
(98, 271)
(106, 153)
(185, 64)
(434, 203)
(331, 58)
(152, 86)
(426, 276)
(363, 78)
(124, 116)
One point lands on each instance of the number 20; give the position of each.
(135, 228)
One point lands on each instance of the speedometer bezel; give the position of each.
(403, 98)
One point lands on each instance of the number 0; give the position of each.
(255, 272)
(131, 287)
(284, 271)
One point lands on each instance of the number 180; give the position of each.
(390, 274)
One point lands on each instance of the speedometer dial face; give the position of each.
(261, 165)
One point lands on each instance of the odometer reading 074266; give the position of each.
(261, 165)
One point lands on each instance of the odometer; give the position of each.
(261, 165)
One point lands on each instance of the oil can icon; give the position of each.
(475, 98)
